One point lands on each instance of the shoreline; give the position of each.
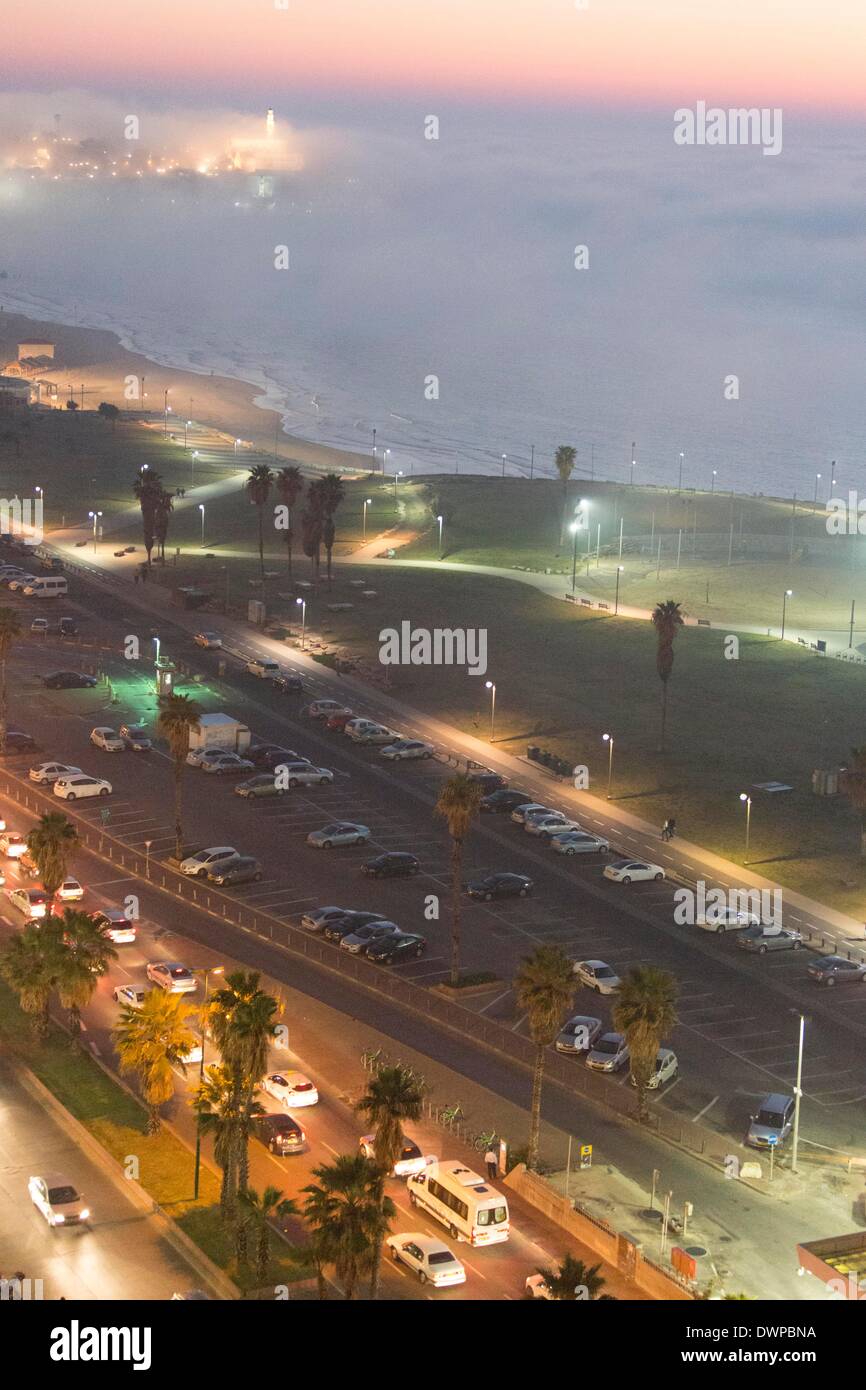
(96, 360)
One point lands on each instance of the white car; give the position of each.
(365, 731)
(264, 669)
(578, 842)
(133, 995)
(411, 1160)
(323, 709)
(548, 826)
(116, 925)
(79, 786)
(318, 918)
(171, 976)
(723, 917)
(302, 775)
(21, 581)
(530, 808)
(633, 871)
(108, 740)
(209, 640)
(12, 844)
(341, 832)
(226, 763)
(47, 773)
(608, 1053)
(595, 974)
(197, 757)
(58, 1200)
(33, 903)
(70, 891)
(407, 748)
(198, 864)
(290, 1088)
(428, 1257)
(665, 1069)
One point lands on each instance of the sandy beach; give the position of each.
(94, 361)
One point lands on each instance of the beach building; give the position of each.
(34, 349)
(16, 388)
(33, 359)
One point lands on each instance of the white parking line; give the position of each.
(701, 1113)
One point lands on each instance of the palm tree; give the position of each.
(344, 1203)
(312, 526)
(564, 460)
(30, 965)
(392, 1098)
(52, 844)
(108, 412)
(216, 1105)
(179, 717)
(150, 1041)
(242, 1021)
(86, 955)
(163, 508)
(852, 784)
(321, 1247)
(10, 631)
(258, 487)
(332, 495)
(544, 989)
(667, 618)
(645, 1013)
(258, 1212)
(289, 485)
(458, 806)
(147, 488)
(573, 1281)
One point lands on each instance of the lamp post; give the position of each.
(713, 481)
(680, 484)
(817, 481)
(619, 570)
(397, 477)
(95, 518)
(748, 800)
(211, 970)
(504, 461)
(303, 603)
(186, 425)
(147, 845)
(156, 643)
(440, 519)
(367, 501)
(786, 595)
(192, 458)
(237, 446)
(375, 460)
(201, 509)
(608, 739)
(165, 412)
(574, 528)
(798, 1089)
(492, 688)
(386, 454)
(633, 462)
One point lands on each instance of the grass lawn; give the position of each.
(564, 677)
(118, 1122)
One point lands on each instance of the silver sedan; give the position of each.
(340, 832)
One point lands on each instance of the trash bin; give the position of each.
(532, 752)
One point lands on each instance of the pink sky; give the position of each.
(765, 52)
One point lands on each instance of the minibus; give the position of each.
(464, 1202)
(52, 586)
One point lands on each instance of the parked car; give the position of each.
(33, 903)
(19, 742)
(80, 785)
(69, 680)
(357, 941)
(721, 917)
(116, 925)
(500, 886)
(47, 773)
(608, 1053)
(198, 757)
(318, 918)
(291, 1088)
(58, 1200)
(263, 784)
(760, 940)
(595, 974)
(503, 800)
(428, 1257)
(392, 864)
(773, 1122)
(390, 950)
(19, 582)
(338, 720)
(545, 827)
(39, 627)
(277, 757)
(199, 863)
(171, 976)
(579, 842)
(227, 764)
(263, 668)
(70, 891)
(107, 739)
(244, 869)
(632, 871)
(303, 774)
(366, 731)
(67, 627)
(335, 928)
(135, 738)
(529, 808)
(131, 995)
(409, 1161)
(280, 1133)
(836, 970)
(211, 641)
(258, 752)
(323, 709)
(665, 1068)
(287, 683)
(406, 748)
(340, 832)
(13, 845)
(578, 1034)
(488, 781)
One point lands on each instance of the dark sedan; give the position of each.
(391, 865)
(833, 970)
(18, 742)
(500, 886)
(488, 781)
(503, 800)
(286, 684)
(338, 927)
(244, 869)
(392, 949)
(69, 680)
(280, 1133)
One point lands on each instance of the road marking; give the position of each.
(701, 1113)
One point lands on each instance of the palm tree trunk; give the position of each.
(320, 1283)
(642, 1113)
(664, 715)
(3, 736)
(376, 1254)
(43, 1020)
(3, 703)
(262, 539)
(456, 884)
(329, 568)
(154, 1123)
(535, 1110)
(178, 809)
(264, 1252)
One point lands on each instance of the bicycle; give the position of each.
(483, 1142)
(370, 1058)
(451, 1114)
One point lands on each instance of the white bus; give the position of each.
(51, 586)
(464, 1202)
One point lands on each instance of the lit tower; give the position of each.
(269, 123)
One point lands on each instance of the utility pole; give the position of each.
(851, 628)
(731, 543)
(679, 546)
(621, 523)
(659, 568)
(532, 463)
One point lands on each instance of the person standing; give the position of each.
(492, 1161)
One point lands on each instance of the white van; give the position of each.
(49, 586)
(464, 1202)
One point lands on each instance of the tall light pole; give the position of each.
(608, 739)
(201, 509)
(186, 425)
(237, 446)
(192, 458)
(619, 570)
(713, 481)
(786, 595)
(680, 484)
(798, 1089)
(633, 462)
(386, 455)
(492, 688)
(397, 477)
(375, 460)
(748, 801)
(441, 520)
(504, 460)
(211, 970)
(832, 476)
(817, 481)
(574, 527)
(367, 501)
(156, 643)
(303, 603)
(165, 412)
(95, 518)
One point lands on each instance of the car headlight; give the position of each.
(85, 1213)
(58, 1219)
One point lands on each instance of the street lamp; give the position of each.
(619, 570)
(95, 518)
(165, 412)
(633, 462)
(817, 481)
(237, 443)
(386, 454)
(786, 595)
(798, 1089)
(680, 484)
(608, 739)
(574, 528)
(201, 509)
(748, 800)
(713, 481)
(303, 603)
(397, 476)
(440, 519)
(492, 688)
(211, 970)
(504, 460)
(156, 643)
(367, 501)
(186, 425)
(192, 458)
